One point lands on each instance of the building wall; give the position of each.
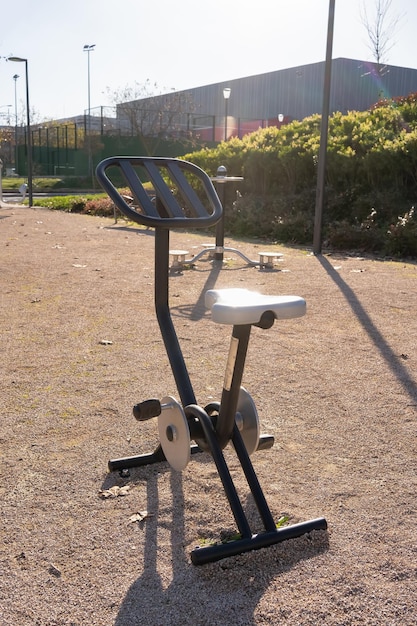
(298, 92)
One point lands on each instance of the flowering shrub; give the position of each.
(99, 206)
(402, 236)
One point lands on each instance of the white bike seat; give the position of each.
(241, 306)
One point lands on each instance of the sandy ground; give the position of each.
(337, 388)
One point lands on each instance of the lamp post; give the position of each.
(16, 156)
(226, 96)
(89, 48)
(29, 134)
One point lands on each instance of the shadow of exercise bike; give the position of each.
(217, 593)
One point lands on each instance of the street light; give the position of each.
(29, 134)
(226, 96)
(16, 157)
(89, 48)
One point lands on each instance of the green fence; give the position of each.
(64, 161)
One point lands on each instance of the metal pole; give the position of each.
(89, 115)
(47, 151)
(221, 189)
(225, 119)
(29, 138)
(57, 149)
(88, 87)
(89, 48)
(16, 158)
(321, 172)
(226, 96)
(66, 145)
(29, 142)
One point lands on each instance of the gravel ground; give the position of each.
(337, 388)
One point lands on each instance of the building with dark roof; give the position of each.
(293, 93)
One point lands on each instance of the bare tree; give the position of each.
(144, 110)
(381, 28)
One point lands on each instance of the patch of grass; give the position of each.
(14, 182)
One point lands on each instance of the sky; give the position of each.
(177, 45)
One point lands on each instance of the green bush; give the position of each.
(364, 237)
(91, 204)
(371, 179)
(280, 218)
(70, 204)
(371, 170)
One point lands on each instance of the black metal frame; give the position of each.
(214, 426)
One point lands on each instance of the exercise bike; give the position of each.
(183, 197)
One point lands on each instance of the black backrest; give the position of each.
(183, 195)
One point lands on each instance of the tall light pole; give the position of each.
(29, 132)
(16, 156)
(89, 48)
(226, 96)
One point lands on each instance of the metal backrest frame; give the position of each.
(178, 205)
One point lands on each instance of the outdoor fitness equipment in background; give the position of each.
(183, 197)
